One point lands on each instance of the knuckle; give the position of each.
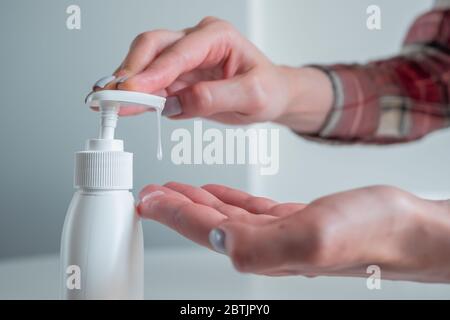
(255, 88)
(225, 30)
(208, 20)
(143, 38)
(149, 37)
(230, 210)
(174, 56)
(170, 184)
(209, 186)
(222, 26)
(201, 99)
(253, 203)
(225, 25)
(277, 208)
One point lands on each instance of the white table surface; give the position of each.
(202, 274)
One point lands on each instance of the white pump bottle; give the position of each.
(102, 244)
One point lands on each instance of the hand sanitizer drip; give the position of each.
(102, 244)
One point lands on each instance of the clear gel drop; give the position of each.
(159, 153)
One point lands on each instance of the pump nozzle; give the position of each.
(109, 115)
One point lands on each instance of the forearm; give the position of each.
(399, 99)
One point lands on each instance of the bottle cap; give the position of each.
(104, 170)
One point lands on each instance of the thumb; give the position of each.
(208, 98)
(252, 248)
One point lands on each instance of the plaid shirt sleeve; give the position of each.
(395, 100)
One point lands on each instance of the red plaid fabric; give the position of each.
(395, 100)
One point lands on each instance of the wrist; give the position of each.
(432, 240)
(310, 97)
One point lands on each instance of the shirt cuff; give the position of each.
(354, 108)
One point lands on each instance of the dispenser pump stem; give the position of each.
(109, 116)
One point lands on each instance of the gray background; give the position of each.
(47, 70)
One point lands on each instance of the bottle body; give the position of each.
(102, 247)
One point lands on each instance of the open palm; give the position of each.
(338, 235)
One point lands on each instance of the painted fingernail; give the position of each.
(172, 107)
(121, 79)
(102, 82)
(149, 196)
(87, 97)
(146, 199)
(217, 240)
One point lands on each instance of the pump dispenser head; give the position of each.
(104, 164)
(110, 102)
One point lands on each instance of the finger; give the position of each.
(194, 221)
(257, 205)
(105, 83)
(202, 47)
(243, 216)
(197, 195)
(228, 118)
(201, 196)
(218, 99)
(128, 111)
(208, 98)
(132, 110)
(154, 187)
(286, 209)
(144, 48)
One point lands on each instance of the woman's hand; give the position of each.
(212, 71)
(339, 235)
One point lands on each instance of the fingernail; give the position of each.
(121, 79)
(102, 82)
(146, 198)
(172, 107)
(144, 201)
(87, 97)
(217, 240)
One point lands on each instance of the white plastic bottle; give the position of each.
(102, 244)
